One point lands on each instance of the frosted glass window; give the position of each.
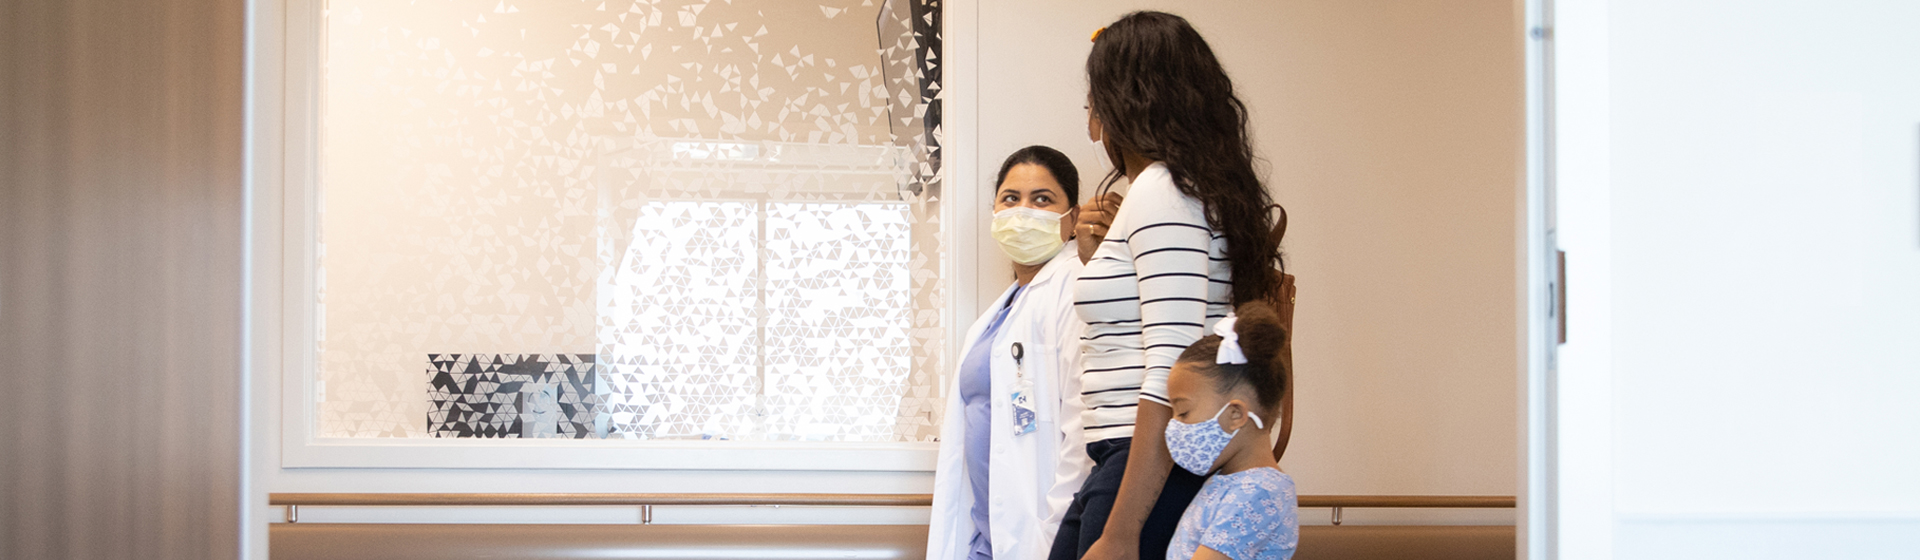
(704, 338)
(666, 219)
(680, 324)
(839, 317)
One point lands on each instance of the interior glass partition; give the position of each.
(632, 220)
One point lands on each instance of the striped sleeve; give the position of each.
(1171, 257)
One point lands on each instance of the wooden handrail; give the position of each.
(864, 500)
(1377, 501)
(678, 499)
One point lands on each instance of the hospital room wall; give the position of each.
(1394, 135)
(1401, 180)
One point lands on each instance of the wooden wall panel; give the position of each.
(120, 278)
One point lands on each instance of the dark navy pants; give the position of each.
(1087, 517)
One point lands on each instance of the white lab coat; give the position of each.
(1033, 476)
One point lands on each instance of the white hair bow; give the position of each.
(1230, 352)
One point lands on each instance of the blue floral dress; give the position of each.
(1248, 515)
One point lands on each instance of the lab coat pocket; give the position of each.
(1041, 369)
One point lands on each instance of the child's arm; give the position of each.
(1204, 553)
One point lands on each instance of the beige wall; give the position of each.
(120, 279)
(1394, 130)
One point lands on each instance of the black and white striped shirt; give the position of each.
(1157, 284)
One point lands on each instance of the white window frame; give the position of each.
(295, 228)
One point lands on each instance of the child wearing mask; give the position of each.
(1226, 391)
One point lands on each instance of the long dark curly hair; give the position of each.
(1159, 92)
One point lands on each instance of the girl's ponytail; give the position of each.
(1261, 338)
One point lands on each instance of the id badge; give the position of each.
(1024, 418)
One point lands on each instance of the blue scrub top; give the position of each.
(976, 396)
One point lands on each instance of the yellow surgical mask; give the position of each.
(1028, 235)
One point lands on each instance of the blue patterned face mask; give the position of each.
(1197, 446)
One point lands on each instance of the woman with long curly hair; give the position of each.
(1187, 244)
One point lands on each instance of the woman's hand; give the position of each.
(1095, 217)
(1111, 548)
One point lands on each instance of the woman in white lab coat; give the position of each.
(1011, 449)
